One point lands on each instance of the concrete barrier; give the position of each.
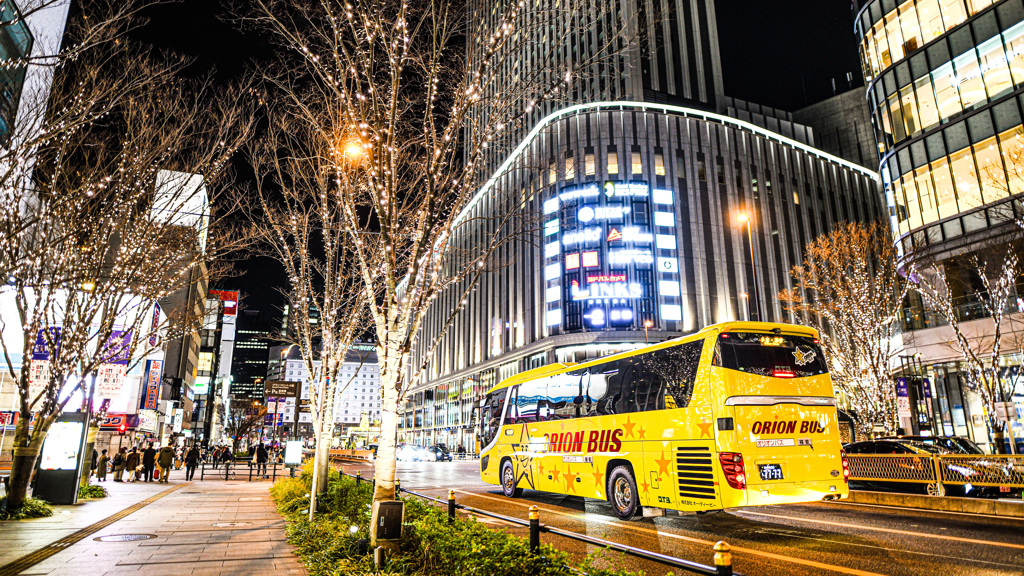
(991, 507)
(361, 455)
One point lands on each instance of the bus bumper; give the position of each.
(797, 492)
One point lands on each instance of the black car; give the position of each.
(438, 453)
(915, 467)
(955, 444)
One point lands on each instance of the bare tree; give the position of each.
(851, 289)
(239, 419)
(979, 348)
(423, 89)
(303, 226)
(113, 216)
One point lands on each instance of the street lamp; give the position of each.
(647, 324)
(743, 219)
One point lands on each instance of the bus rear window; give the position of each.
(775, 355)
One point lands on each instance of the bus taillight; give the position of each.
(732, 467)
(783, 374)
(846, 467)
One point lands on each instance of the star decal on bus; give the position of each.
(705, 428)
(662, 464)
(555, 472)
(641, 433)
(570, 481)
(628, 427)
(645, 486)
(524, 457)
(598, 478)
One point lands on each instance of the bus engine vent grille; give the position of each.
(695, 472)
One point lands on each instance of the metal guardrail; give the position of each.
(723, 557)
(240, 470)
(954, 469)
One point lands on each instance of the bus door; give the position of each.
(778, 409)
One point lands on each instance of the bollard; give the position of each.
(723, 559)
(359, 476)
(378, 557)
(534, 529)
(451, 506)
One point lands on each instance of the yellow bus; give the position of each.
(738, 414)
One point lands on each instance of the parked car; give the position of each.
(955, 444)
(904, 446)
(438, 453)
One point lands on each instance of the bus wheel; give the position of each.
(622, 494)
(508, 481)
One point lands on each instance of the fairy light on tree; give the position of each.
(91, 236)
(424, 84)
(851, 289)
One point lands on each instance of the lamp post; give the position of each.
(647, 325)
(745, 220)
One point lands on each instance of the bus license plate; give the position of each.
(770, 471)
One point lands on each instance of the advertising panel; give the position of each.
(114, 421)
(62, 445)
(293, 453)
(151, 388)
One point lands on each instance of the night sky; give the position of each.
(781, 53)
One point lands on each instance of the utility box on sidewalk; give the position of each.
(386, 523)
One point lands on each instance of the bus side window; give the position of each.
(669, 375)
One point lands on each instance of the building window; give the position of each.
(589, 164)
(638, 167)
(570, 167)
(659, 164)
(613, 161)
(15, 46)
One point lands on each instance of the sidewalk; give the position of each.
(210, 528)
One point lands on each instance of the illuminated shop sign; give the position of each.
(630, 234)
(598, 317)
(586, 259)
(595, 278)
(661, 196)
(586, 235)
(551, 228)
(623, 256)
(626, 190)
(591, 213)
(570, 194)
(601, 290)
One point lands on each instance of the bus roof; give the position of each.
(736, 326)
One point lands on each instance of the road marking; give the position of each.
(923, 510)
(886, 530)
(779, 557)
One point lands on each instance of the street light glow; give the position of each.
(353, 150)
(742, 218)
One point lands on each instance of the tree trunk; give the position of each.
(23, 465)
(90, 445)
(384, 464)
(321, 451)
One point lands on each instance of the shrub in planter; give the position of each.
(92, 491)
(30, 508)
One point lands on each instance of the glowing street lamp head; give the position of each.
(648, 323)
(353, 150)
(743, 218)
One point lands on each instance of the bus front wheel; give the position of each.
(508, 480)
(622, 494)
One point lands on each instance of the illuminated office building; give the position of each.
(631, 196)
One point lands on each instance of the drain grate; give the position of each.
(124, 537)
(232, 524)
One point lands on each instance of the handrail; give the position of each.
(695, 567)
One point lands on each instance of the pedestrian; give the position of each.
(101, 467)
(132, 464)
(261, 460)
(148, 462)
(191, 461)
(92, 463)
(165, 459)
(118, 464)
(215, 457)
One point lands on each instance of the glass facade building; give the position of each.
(946, 89)
(15, 47)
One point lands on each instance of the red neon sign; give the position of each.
(602, 278)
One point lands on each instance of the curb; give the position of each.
(1009, 509)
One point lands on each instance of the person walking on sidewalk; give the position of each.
(191, 461)
(101, 467)
(92, 463)
(118, 465)
(261, 460)
(131, 464)
(148, 462)
(165, 459)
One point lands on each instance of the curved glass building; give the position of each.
(946, 86)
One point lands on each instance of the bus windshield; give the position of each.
(490, 419)
(775, 355)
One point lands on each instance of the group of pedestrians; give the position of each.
(140, 465)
